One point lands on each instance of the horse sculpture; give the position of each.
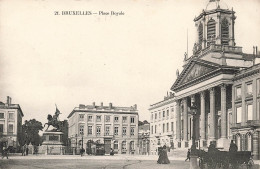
(54, 121)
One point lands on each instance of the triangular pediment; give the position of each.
(195, 69)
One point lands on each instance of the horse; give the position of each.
(54, 121)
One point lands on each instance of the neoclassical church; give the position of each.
(220, 85)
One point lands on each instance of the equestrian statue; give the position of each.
(54, 120)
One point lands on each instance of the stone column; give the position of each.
(223, 111)
(212, 115)
(202, 116)
(185, 119)
(178, 121)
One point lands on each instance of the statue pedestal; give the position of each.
(52, 143)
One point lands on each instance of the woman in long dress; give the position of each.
(163, 157)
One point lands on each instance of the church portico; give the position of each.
(211, 120)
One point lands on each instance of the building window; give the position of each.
(124, 146)
(98, 119)
(172, 109)
(11, 115)
(248, 142)
(81, 117)
(90, 118)
(151, 117)
(115, 145)
(167, 113)
(124, 119)
(81, 129)
(167, 127)
(238, 92)
(132, 145)
(98, 130)
(159, 115)
(107, 118)
(155, 128)
(152, 129)
(155, 117)
(163, 114)
(132, 120)
(10, 128)
(200, 32)
(224, 32)
(124, 131)
(107, 130)
(1, 128)
(163, 127)
(116, 119)
(132, 131)
(172, 125)
(116, 131)
(211, 31)
(239, 114)
(249, 112)
(2, 115)
(249, 89)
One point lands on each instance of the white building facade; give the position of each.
(116, 127)
(163, 124)
(10, 123)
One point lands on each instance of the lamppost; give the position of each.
(76, 144)
(193, 153)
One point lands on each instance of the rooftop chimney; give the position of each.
(101, 105)
(110, 105)
(135, 106)
(94, 104)
(9, 100)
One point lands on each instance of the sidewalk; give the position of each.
(104, 157)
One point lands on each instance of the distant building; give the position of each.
(10, 123)
(143, 139)
(116, 127)
(163, 122)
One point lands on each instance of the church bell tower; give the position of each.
(215, 25)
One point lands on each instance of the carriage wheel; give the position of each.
(234, 165)
(250, 164)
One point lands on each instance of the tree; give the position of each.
(30, 131)
(140, 123)
(64, 130)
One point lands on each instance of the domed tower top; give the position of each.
(216, 4)
(215, 25)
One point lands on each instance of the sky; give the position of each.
(48, 59)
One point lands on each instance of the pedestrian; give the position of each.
(233, 147)
(82, 151)
(163, 157)
(188, 155)
(112, 152)
(5, 152)
(27, 150)
(23, 150)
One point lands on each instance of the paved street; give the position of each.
(93, 162)
(89, 162)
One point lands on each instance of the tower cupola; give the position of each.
(215, 25)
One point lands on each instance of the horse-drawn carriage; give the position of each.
(225, 159)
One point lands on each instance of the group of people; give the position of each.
(25, 150)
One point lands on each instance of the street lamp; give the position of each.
(193, 112)
(193, 153)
